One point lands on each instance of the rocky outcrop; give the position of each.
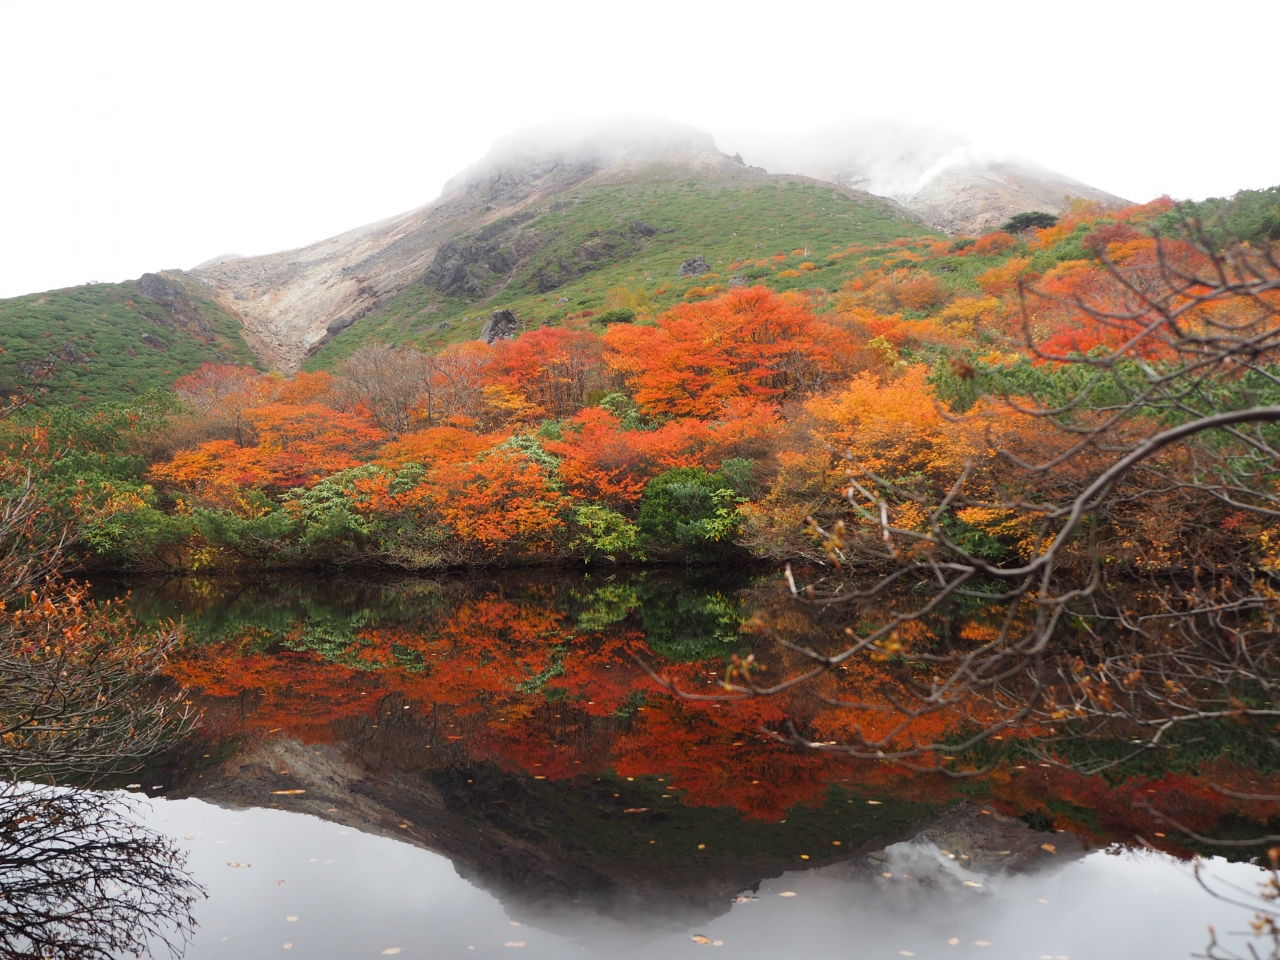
(179, 312)
(693, 267)
(501, 325)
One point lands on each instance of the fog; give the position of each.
(884, 157)
(144, 135)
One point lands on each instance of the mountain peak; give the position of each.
(585, 147)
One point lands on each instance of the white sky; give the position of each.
(139, 136)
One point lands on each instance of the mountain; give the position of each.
(938, 176)
(550, 217)
(555, 221)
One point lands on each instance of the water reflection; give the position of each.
(333, 893)
(507, 724)
(82, 879)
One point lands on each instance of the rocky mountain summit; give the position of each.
(291, 302)
(469, 244)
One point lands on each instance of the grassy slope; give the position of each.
(721, 222)
(105, 323)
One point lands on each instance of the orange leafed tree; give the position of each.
(751, 343)
(553, 368)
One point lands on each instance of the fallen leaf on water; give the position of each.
(906, 953)
(514, 943)
(391, 950)
(717, 943)
(835, 843)
(972, 883)
(699, 938)
(982, 943)
(292, 919)
(286, 793)
(513, 923)
(1041, 900)
(636, 810)
(804, 856)
(702, 846)
(787, 893)
(743, 899)
(279, 883)
(954, 941)
(874, 803)
(886, 874)
(1049, 846)
(234, 863)
(539, 777)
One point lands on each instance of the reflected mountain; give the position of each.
(507, 723)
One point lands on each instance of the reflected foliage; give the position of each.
(82, 880)
(546, 677)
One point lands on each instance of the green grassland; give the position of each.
(109, 343)
(635, 235)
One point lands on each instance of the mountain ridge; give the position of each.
(552, 218)
(292, 303)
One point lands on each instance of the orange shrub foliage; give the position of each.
(434, 445)
(499, 501)
(893, 427)
(750, 343)
(297, 445)
(553, 368)
(1004, 279)
(993, 244)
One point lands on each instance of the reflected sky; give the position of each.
(308, 888)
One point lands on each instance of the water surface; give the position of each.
(480, 765)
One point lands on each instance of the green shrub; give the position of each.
(689, 510)
(605, 533)
(621, 315)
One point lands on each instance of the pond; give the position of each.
(485, 765)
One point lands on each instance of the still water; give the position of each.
(483, 766)
(318, 889)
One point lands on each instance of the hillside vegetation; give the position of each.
(636, 431)
(108, 342)
(619, 246)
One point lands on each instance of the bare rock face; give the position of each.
(501, 325)
(693, 267)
